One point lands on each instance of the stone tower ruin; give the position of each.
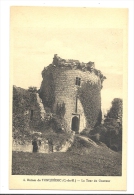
(73, 88)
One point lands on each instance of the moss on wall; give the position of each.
(48, 93)
(89, 96)
(26, 110)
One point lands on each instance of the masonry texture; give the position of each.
(82, 100)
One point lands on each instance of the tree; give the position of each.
(115, 111)
(110, 132)
(113, 123)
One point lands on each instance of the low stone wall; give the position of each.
(28, 147)
(43, 148)
(18, 146)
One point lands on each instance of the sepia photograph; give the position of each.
(68, 83)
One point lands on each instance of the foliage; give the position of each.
(115, 111)
(48, 93)
(113, 137)
(95, 137)
(110, 132)
(32, 89)
(57, 124)
(99, 119)
(60, 110)
(23, 102)
(58, 138)
(85, 131)
(89, 95)
(19, 107)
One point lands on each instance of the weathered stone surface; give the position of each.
(62, 88)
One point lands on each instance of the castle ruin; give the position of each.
(73, 89)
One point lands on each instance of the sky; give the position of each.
(37, 33)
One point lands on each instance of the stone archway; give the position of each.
(75, 124)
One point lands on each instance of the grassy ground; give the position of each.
(96, 162)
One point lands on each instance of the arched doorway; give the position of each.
(75, 124)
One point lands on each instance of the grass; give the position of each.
(96, 162)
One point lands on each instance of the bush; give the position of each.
(110, 133)
(95, 137)
(85, 132)
(58, 124)
(58, 139)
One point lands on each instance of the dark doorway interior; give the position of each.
(75, 124)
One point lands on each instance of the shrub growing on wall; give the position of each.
(89, 95)
(25, 102)
(60, 109)
(48, 93)
(32, 89)
(19, 106)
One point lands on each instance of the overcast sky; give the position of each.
(84, 34)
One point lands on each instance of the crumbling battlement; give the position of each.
(76, 64)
